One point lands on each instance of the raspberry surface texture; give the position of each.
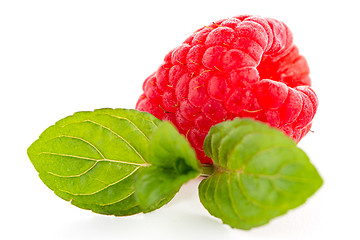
(243, 66)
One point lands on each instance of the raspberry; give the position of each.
(238, 67)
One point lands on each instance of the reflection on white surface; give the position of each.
(182, 217)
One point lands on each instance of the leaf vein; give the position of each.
(252, 201)
(119, 136)
(102, 189)
(261, 152)
(81, 139)
(219, 209)
(277, 176)
(106, 204)
(118, 117)
(234, 207)
(96, 160)
(76, 175)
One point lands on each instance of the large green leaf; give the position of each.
(92, 158)
(259, 174)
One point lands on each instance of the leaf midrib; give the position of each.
(96, 160)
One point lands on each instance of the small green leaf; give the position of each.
(173, 162)
(92, 158)
(259, 174)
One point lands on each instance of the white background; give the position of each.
(59, 57)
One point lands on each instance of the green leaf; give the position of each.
(259, 174)
(92, 158)
(114, 161)
(173, 162)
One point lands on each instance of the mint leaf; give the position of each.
(114, 161)
(173, 162)
(259, 174)
(92, 158)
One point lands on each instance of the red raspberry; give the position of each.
(238, 67)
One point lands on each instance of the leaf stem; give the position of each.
(206, 170)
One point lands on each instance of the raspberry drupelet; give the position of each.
(243, 66)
